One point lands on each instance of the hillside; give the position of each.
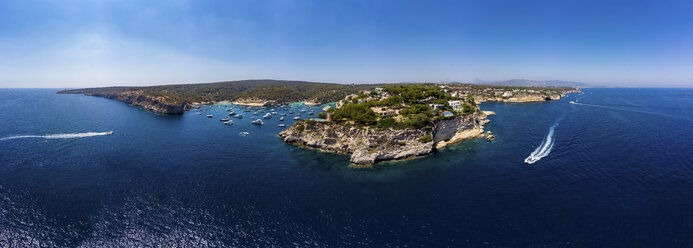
(176, 99)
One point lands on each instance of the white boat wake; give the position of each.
(546, 145)
(60, 135)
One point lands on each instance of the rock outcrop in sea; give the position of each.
(369, 145)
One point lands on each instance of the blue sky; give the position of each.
(127, 42)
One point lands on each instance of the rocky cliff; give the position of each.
(452, 131)
(158, 104)
(368, 145)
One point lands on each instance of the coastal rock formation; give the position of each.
(368, 146)
(452, 131)
(158, 104)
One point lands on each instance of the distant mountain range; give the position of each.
(531, 83)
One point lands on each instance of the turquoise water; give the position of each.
(613, 170)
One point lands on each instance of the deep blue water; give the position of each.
(619, 174)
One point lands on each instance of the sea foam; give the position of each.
(546, 145)
(59, 136)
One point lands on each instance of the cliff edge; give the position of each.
(369, 145)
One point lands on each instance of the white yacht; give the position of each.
(229, 122)
(281, 119)
(282, 125)
(297, 118)
(268, 115)
(258, 122)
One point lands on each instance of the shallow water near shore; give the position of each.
(618, 173)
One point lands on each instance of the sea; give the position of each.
(600, 168)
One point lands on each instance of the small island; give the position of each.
(370, 122)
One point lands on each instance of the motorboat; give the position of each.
(244, 133)
(297, 118)
(225, 119)
(229, 122)
(282, 125)
(268, 115)
(258, 122)
(210, 116)
(238, 116)
(281, 119)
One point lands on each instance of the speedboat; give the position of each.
(109, 132)
(244, 133)
(291, 111)
(210, 116)
(258, 122)
(229, 122)
(297, 118)
(238, 116)
(281, 119)
(225, 119)
(268, 115)
(282, 125)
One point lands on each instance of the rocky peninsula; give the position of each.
(178, 98)
(156, 103)
(370, 145)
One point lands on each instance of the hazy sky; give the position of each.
(124, 42)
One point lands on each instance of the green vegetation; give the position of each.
(425, 139)
(300, 128)
(282, 92)
(321, 115)
(359, 113)
(399, 107)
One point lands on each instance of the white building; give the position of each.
(456, 105)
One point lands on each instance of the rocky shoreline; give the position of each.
(157, 104)
(368, 146)
(525, 98)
